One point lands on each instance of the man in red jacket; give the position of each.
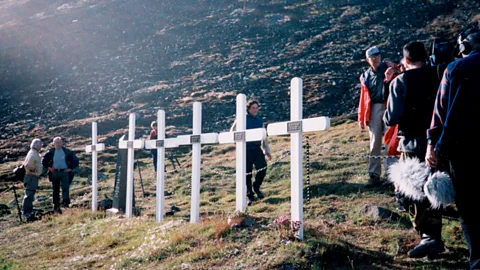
(373, 97)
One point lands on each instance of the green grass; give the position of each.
(336, 234)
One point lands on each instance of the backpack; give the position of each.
(19, 172)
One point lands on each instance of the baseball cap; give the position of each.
(372, 51)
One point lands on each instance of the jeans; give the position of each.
(31, 185)
(255, 157)
(61, 179)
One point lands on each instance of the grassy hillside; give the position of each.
(336, 234)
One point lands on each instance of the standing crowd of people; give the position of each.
(431, 117)
(59, 162)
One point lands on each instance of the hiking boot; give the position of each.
(57, 211)
(250, 200)
(427, 247)
(259, 193)
(373, 181)
(30, 218)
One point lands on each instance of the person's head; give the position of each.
(470, 43)
(252, 107)
(373, 57)
(414, 53)
(153, 125)
(57, 142)
(36, 144)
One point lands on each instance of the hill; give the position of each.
(63, 62)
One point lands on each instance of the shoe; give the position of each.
(427, 247)
(57, 211)
(373, 181)
(250, 201)
(30, 218)
(259, 193)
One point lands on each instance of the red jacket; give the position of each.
(365, 103)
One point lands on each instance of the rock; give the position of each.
(377, 212)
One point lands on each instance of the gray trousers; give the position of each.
(31, 185)
(376, 128)
(60, 179)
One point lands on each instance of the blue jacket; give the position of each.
(456, 107)
(254, 122)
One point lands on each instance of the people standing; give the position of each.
(410, 106)
(153, 136)
(33, 171)
(452, 132)
(255, 154)
(60, 162)
(373, 96)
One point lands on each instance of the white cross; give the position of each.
(93, 149)
(240, 137)
(131, 144)
(295, 128)
(160, 144)
(196, 140)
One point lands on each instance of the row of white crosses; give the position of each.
(295, 127)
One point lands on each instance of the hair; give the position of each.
(415, 51)
(250, 103)
(57, 138)
(154, 123)
(35, 143)
(474, 39)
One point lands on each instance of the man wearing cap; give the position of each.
(373, 96)
(452, 132)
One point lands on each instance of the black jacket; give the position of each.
(70, 158)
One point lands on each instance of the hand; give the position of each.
(431, 157)
(50, 169)
(362, 125)
(67, 170)
(269, 156)
(389, 73)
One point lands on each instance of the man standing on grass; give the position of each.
(60, 162)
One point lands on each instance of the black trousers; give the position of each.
(61, 179)
(255, 157)
(466, 183)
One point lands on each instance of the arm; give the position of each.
(438, 117)
(29, 162)
(395, 104)
(234, 126)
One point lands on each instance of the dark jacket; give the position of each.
(70, 158)
(412, 97)
(453, 125)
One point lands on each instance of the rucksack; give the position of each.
(19, 172)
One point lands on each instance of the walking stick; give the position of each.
(16, 202)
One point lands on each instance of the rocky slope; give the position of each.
(64, 62)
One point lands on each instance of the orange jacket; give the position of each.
(365, 99)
